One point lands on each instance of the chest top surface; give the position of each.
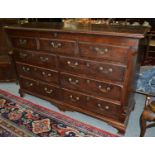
(99, 29)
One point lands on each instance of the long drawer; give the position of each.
(93, 87)
(40, 88)
(102, 71)
(34, 72)
(103, 52)
(95, 105)
(41, 59)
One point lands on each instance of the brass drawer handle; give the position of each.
(88, 64)
(73, 65)
(106, 107)
(22, 42)
(48, 91)
(104, 90)
(87, 98)
(44, 59)
(73, 82)
(55, 44)
(88, 81)
(26, 69)
(48, 74)
(23, 55)
(29, 84)
(74, 99)
(107, 71)
(101, 50)
(99, 105)
(55, 34)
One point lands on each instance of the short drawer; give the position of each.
(58, 46)
(105, 71)
(50, 91)
(39, 88)
(103, 89)
(103, 52)
(49, 76)
(28, 85)
(36, 58)
(92, 87)
(74, 99)
(105, 108)
(24, 43)
(72, 65)
(72, 82)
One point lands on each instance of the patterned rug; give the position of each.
(19, 117)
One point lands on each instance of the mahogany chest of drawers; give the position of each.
(85, 68)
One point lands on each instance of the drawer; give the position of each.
(103, 89)
(49, 91)
(36, 58)
(92, 87)
(28, 85)
(40, 88)
(95, 105)
(93, 69)
(105, 71)
(72, 82)
(74, 98)
(103, 52)
(105, 108)
(72, 65)
(58, 46)
(49, 76)
(24, 43)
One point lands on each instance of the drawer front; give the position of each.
(103, 52)
(49, 91)
(93, 87)
(72, 82)
(72, 65)
(74, 99)
(101, 71)
(38, 73)
(24, 43)
(95, 105)
(58, 46)
(105, 71)
(36, 58)
(28, 85)
(40, 88)
(103, 107)
(103, 89)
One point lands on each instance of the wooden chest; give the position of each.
(85, 68)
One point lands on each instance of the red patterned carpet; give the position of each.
(19, 117)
